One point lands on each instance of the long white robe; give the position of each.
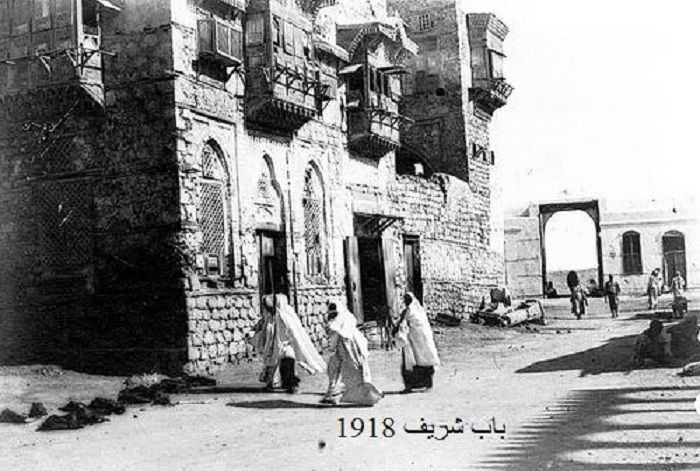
(350, 363)
(283, 335)
(415, 336)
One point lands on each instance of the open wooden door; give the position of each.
(389, 274)
(411, 253)
(352, 277)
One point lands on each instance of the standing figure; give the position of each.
(283, 343)
(612, 293)
(572, 280)
(680, 303)
(654, 289)
(349, 376)
(579, 301)
(415, 337)
(678, 285)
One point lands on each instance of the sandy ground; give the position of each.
(564, 393)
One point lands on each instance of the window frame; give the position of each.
(632, 263)
(225, 260)
(319, 272)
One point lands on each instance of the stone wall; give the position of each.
(457, 266)
(88, 215)
(523, 256)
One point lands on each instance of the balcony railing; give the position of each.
(490, 94)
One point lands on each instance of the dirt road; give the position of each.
(564, 393)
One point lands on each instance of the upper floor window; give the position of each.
(426, 22)
(497, 62)
(631, 253)
(212, 212)
(314, 229)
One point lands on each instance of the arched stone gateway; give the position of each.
(546, 211)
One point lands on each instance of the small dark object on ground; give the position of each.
(176, 385)
(158, 393)
(82, 414)
(8, 416)
(161, 399)
(106, 406)
(137, 395)
(60, 422)
(448, 320)
(37, 410)
(72, 406)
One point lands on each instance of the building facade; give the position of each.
(166, 163)
(636, 237)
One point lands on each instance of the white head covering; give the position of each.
(417, 336)
(345, 327)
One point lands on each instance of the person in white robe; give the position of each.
(415, 338)
(349, 376)
(283, 343)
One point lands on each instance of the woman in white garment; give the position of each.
(415, 337)
(349, 376)
(283, 343)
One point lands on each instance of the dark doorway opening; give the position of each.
(411, 253)
(371, 278)
(272, 247)
(370, 269)
(673, 244)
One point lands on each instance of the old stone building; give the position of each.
(165, 163)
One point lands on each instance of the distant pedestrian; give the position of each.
(419, 354)
(572, 280)
(579, 301)
(654, 289)
(678, 285)
(612, 293)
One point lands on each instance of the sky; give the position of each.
(606, 101)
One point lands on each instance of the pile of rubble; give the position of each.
(78, 415)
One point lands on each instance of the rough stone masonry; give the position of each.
(166, 163)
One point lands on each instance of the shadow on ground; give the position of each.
(626, 429)
(285, 404)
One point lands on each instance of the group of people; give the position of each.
(283, 343)
(579, 299)
(655, 287)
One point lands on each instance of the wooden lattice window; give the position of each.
(631, 253)
(426, 22)
(313, 222)
(212, 213)
(64, 216)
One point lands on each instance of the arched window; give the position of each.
(631, 254)
(313, 222)
(212, 212)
